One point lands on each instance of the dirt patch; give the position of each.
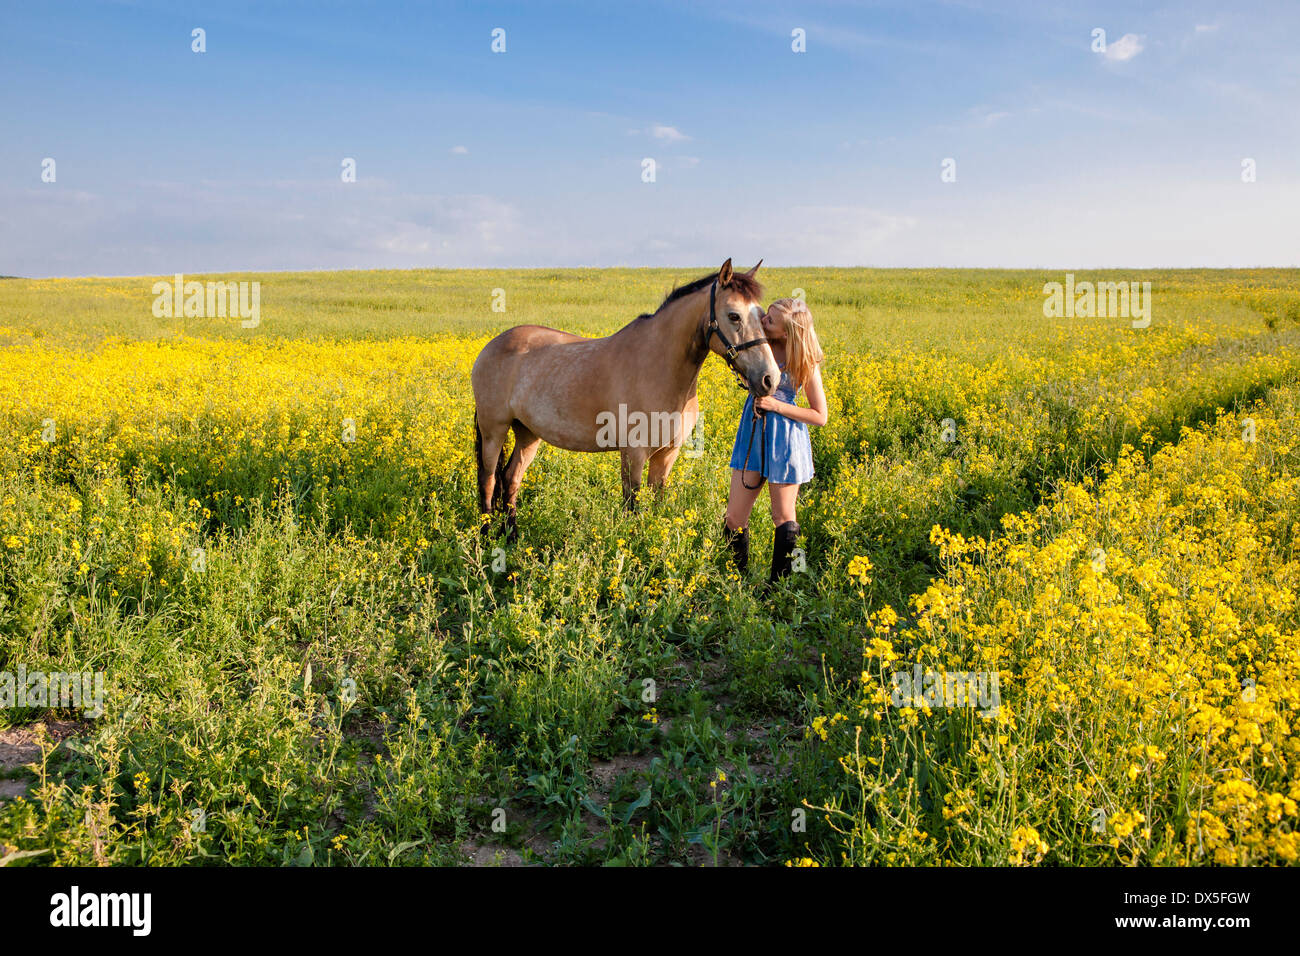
(700, 856)
(486, 853)
(20, 746)
(13, 788)
(605, 773)
(369, 730)
(753, 734)
(494, 854)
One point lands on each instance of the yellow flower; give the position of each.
(860, 569)
(1025, 840)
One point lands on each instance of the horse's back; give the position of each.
(525, 338)
(501, 363)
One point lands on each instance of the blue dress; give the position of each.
(789, 451)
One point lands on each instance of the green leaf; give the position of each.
(643, 800)
(402, 848)
(19, 855)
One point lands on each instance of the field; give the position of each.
(265, 541)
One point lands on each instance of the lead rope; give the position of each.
(730, 358)
(762, 450)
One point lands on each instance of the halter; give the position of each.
(731, 350)
(730, 357)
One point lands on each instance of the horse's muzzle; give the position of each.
(762, 383)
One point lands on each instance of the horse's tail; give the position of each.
(499, 489)
(498, 492)
(478, 456)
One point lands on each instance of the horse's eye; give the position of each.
(734, 316)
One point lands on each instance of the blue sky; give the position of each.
(173, 161)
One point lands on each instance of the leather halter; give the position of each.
(730, 357)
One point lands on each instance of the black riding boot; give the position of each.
(783, 539)
(739, 544)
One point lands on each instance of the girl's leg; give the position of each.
(787, 529)
(783, 502)
(740, 501)
(735, 531)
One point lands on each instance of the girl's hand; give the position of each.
(768, 404)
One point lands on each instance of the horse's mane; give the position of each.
(747, 285)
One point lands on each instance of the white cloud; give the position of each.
(984, 116)
(1125, 48)
(460, 150)
(158, 231)
(1206, 27)
(661, 132)
(977, 117)
(669, 134)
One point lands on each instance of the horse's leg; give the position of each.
(526, 445)
(632, 462)
(491, 441)
(661, 463)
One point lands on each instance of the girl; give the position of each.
(780, 452)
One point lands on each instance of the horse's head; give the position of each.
(740, 339)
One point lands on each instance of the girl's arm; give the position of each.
(814, 414)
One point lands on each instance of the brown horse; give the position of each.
(632, 392)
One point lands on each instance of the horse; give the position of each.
(570, 391)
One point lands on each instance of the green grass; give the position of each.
(956, 309)
(331, 691)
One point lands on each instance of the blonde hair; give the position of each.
(803, 352)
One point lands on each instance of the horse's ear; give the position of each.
(724, 274)
(754, 271)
